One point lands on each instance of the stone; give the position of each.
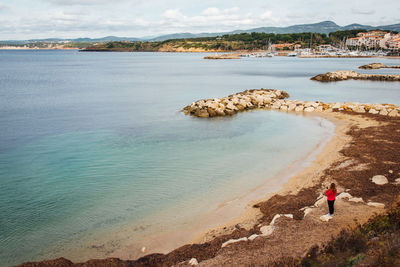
(143, 250)
(373, 111)
(284, 108)
(319, 202)
(393, 113)
(344, 195)
(383, 112)
(232, 241)
(356, 199)
(299, 108)
(252, 237)
(307, 211)
(240, 107)
(376, 204)
(379, 180)
(193, 262)
(277, 216)
(267, 230)
(220, 112)
(291, 107)
(320, 108)
(211, 112)
(203, 113)
(397, 181)
(309, 109)
(231, 106)
(325, 218)
(230, 112)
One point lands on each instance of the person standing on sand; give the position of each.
(331, 195)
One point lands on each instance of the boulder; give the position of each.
(309, 109)
(356, 199)
(376, 204)
(267, 230)
(344, 195)
(373, 111)
(193, 262)
(232, 241)
(211, 112)
(299, 108)
(379, 180)
(291, 107)
(393, 113)
(252, 237)
(383, 112)
(325, 218)
(203, 113)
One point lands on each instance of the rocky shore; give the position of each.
(347, 74)
(224, 56)
(275, 99)
(374, 66)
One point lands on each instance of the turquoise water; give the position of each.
(93, 142)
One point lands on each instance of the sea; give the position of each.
(96, 156)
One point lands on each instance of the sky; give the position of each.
(29, 19)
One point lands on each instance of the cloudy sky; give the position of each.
(26, 19)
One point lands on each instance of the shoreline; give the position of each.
(304, 177)
(321, 157)
(236, 210)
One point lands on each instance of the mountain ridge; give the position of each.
(319, 27)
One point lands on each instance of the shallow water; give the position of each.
(93, 142)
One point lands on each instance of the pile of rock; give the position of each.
(310, 106)
(275, 99)
(246, 100)
(342, 75)
(374, 66)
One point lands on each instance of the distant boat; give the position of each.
(292, 54)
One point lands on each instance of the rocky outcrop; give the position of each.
(224, 56)
(374, 66)
(275, 99)
(342, 75)
(246, 100)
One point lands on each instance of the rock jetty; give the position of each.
(342, 75)
(246, 100)
(224, 56)
(275, 99)
(374, 66)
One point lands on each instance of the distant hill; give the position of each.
(320, 27)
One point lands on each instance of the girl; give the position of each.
(331, 195)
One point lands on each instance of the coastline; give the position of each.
(342, 157)
(306, 176)
(236, 210)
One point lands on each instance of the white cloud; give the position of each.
(363, 11)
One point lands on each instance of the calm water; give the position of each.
(93, 142)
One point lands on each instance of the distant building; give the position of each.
(371, 39)
(394, 42)
(282, 46)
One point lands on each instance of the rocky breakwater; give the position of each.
(224, 56)
(246, 100)
(347, 74)
(275, 100)
(374, 66)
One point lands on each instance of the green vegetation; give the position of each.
(232, 42)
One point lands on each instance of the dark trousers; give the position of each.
(330, 204)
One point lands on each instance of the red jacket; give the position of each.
(331, 194)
